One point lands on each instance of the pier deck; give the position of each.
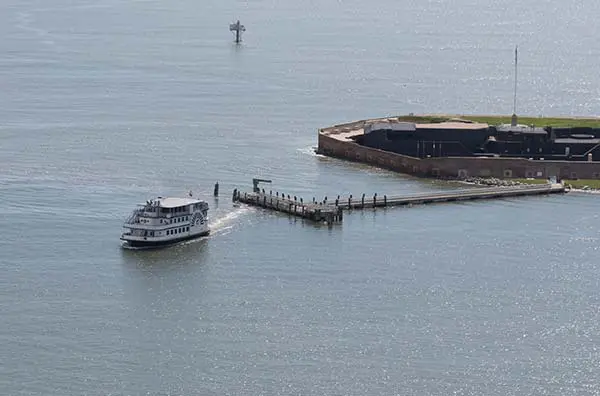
(333, 211)
(312, 211)
(450, 196)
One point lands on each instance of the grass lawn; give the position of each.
(579, 184)
(496, 120)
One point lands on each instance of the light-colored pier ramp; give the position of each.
(332, 211)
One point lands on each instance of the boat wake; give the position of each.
(26, 21)
(224, 223)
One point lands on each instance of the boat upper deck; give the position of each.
(173, 202)
(169, 206)
(163, 211)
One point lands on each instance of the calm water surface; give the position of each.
(104, 104)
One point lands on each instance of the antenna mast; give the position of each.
(515, 99)
(514, 116)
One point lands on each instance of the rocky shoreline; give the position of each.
(487, 181)
(495, 182)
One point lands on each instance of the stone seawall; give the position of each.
(337, 142)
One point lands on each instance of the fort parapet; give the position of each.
(343, 141)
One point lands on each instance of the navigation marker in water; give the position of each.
(238, 29)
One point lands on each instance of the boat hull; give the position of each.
(148, 244)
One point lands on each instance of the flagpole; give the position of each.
(515, 94)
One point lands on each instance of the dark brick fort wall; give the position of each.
(457, 166)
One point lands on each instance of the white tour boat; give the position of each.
(165, 221)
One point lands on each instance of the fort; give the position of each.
(450, 146)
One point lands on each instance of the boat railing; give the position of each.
(134, 215)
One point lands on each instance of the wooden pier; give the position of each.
(330, 212)
(376, 201)
(318, 212)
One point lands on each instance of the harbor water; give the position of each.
(105, 104)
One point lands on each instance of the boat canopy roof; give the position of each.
(172, 202)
